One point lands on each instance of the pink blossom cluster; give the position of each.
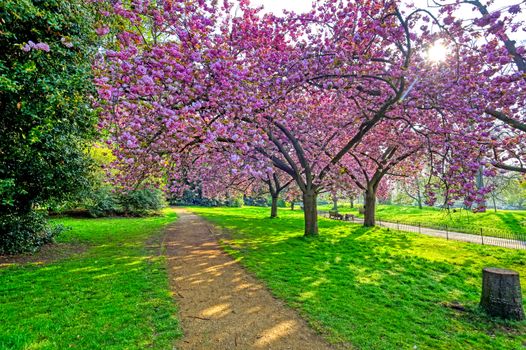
(35, 46)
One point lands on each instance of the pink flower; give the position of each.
(66, 43)
(449, 20)
(42, 46)
(515, 9)
(102, 30)
(147, 80)
(38, 46)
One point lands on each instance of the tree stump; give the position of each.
(501, 294)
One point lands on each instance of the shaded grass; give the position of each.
(115, 295)
(373, 288)
(503, 223)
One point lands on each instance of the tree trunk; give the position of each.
(335, 203)
(274, 207)
(501, 294)
(494, 203)
(370, 207)
(310, 212)
(352, 202)
(480, 184)
(292, 205)
(418, 194)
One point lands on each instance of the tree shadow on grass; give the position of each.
(373, 288)
(113, 295)
(512, 222)
(47, 254)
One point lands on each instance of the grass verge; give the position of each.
(112, 295)
(373, 288)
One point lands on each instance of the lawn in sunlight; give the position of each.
(112, 294)
(502, 223)
(373, 288)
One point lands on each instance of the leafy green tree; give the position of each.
(513, 191)
(46, 48)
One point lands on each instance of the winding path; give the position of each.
(221, 306)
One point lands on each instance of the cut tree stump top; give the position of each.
(498, 271)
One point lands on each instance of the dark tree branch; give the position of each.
(507, 120)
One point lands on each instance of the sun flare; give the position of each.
(438, 52)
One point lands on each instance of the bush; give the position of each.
(104, 202)
(25, 233)
(141, 202)
(194, 198)
(234, 202)
(281, 203)
(256, 201)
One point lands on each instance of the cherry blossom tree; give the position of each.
(383, 154)
(344, 91)
(361, 65)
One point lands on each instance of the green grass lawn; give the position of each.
(504, 222)
(373, 288)
(113, 295)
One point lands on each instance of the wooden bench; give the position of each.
(348, 217)
(335, 215)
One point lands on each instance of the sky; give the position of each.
(277, 6)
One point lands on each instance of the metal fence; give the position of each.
(478, 235)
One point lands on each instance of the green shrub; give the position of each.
(102, 202)
(234, 202)
(106, 202)
(256, 201)
(141, 202)
(25, 233)
(195, 198)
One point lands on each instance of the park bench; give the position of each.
(333, 214)
(348, 217)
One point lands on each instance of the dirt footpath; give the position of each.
(221, 306)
